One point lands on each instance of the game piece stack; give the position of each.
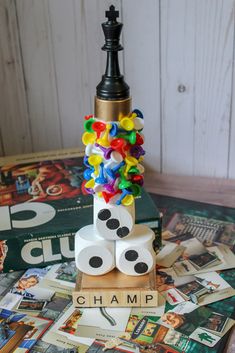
(114, 174)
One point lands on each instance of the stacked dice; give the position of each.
(114, 176)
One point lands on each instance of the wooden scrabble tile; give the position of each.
(81, 299)
(98, 299)
(149, 298)
(131, 298)
(114, 298)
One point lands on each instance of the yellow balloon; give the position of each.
(128, 200)
(90, 184)
(121, 116)
(127, 124)
(104, 140)
(133, 116)
(88, 137)
(130, 162)
(95, 161)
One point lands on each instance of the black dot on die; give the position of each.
(123, 232)
(113, 223)
(104, 214)
(131, 255)
(141, 267)
(95, 262)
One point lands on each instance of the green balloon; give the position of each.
(136, 189)
(133, 170)
(131, 137)
(124, 183)
(88, 125)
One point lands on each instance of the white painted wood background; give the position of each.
(178, 60)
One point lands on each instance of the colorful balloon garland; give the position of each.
(113, 157)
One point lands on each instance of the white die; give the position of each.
(135, 256)
(113, 222)
(93, 254)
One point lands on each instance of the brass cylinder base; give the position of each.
(112, 110)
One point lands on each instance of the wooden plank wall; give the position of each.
(178, 61)
(15, 134)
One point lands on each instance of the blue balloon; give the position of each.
(114, 130)
(138, 112)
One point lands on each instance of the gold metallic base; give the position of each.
(112, 110)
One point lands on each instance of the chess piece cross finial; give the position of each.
(112, 14)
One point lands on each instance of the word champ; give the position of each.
(85, 299)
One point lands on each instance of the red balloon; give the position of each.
(118, 145)
(87, 117)
(137, 179)
(98, 127)
(139, 139)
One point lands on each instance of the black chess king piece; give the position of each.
(112, 99)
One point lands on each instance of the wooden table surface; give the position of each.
(211, 190)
